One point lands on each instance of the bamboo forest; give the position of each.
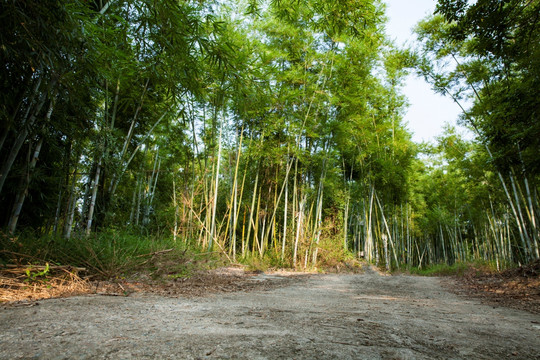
(268, 129)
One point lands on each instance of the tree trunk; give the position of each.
(21, 196)
(19, 141)
(91, 208)
(72, 202)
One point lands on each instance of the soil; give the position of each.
(238, 315)
(517, 288)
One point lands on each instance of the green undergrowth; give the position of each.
(109, 255)
(457, 269)
(120, 254)
(331, 258)
(440, 270)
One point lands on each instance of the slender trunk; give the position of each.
(346, 221)
(443, 245)
(284, 240)
(61, 204)
(113, 120)
(278, 199)
(72, 201)
(298, 229)
(133, 121)
(20, 139)
(152, 183)
(216, 188)
(124, 168)
(134, 202)
(91, 208)
(21, 196)
(30, 102)
(239, 209)
(318, 213)
(387, 232)
(58, 210)
(86, 200)
(175, 205)
(530, 211)
(31, 166)
(252, 209)
(368, 246)
(3, 138)
(256, 225)
(523, 228)
(139, 200)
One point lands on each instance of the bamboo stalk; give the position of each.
(216, 189)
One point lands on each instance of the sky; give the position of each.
(428, 111)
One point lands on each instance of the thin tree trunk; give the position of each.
(21, 196)
(520, 220)
(175, 205)
(3, 138)
(124, 168)
(72, 201)
(252, 209)
(31, 100)
(31, 166)
(387, 231)
(216, 188)
(318, 213)
(20, 139)
(298, 228)
(368, 246)
(91, 208)
(234, 200)
(284, 240)
(134, 201)
(152, 182)
(530, 212)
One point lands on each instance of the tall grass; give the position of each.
(107, 254)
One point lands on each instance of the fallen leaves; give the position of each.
(517, 288)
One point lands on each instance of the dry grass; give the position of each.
(18, 283)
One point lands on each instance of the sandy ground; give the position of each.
(355, 316)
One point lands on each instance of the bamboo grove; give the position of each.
(269, 129)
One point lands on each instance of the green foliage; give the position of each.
(485, 54)
(476, 267)
(36, 276)
(456, 269)
(274, 133)
(108, 255)
(256, 264)
(493, 48)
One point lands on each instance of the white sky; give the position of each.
(428, 111)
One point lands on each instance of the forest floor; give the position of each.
(230, 313)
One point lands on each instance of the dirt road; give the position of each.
(365, 316)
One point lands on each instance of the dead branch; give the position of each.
(156, 253)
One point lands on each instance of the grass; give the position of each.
(456, 269)
(331, 258)
(33, 267)
(104, 255)
(441, 270)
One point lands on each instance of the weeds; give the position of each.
(107, 255)
(457, 269)
(38, 276)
